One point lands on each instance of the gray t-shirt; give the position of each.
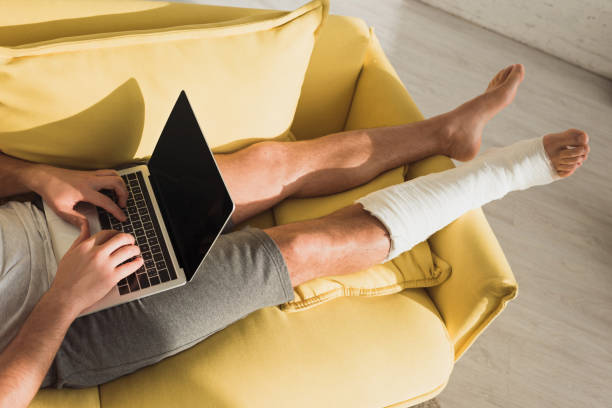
(27, 265)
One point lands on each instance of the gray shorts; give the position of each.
(243, 272)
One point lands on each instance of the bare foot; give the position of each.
(463, 126)
(566, 160)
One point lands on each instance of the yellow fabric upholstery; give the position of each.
(106, 89)
(83, 398)
(340, 354)
(379, 351)
(331, 78)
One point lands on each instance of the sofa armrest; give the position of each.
(481, 281)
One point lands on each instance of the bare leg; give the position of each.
(264, 174)
(351, 239)
(345, 241)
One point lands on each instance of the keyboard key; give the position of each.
(149, 263)
(137, 224)
(122, 282)
(141, 240)
(158, 257)
(145, 218)
(124, 290)
(138, 197)
(146, 256)
(133, 183)
(131, 176)
(144, 248)
(132, 210)
(163, 275)
(152, 272)
(136, 190)
(160, 265)
(139, 232)
(172, 274)
(148, 225)
(155, 249)
(133, 282)
(151, 234)
(154, 280)
(143, 280)
(143, 211)
(128, 228)
(140, 204)
(153, 241)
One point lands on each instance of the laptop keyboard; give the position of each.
(143, 225)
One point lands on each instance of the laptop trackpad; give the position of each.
(63, 234)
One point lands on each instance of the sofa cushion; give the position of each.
(352, 352)
(331, 77)
(92, 97)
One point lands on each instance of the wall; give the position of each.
(577, 31)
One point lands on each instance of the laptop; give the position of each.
(177, 207)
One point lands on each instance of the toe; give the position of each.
(571, 153)
(565, 167)
(516, 73)
(574, 137)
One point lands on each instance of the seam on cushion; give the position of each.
(344, 291)
(478, 329)
(365, 54)
(148, 36)
(433, 392)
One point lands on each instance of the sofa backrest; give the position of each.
(331, 77)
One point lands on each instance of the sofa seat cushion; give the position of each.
(98, 98)
(68, 398)
(341, 354)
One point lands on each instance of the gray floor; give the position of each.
(552, 347)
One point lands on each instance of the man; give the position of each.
(248, 269)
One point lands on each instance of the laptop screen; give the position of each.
(189, 188)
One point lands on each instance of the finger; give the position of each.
(77, 219)
(109, 205)
(106, 172)
(82, 236)
(117, 242)
(128, 268)
(123, 254)
(102, 236)
(113, 183)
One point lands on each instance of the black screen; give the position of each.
(191, 193)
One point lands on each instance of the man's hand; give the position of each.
(87, 272)
(91, 267)
(62, 189)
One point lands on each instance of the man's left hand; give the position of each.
(62, 189)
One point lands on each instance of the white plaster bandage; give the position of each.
(414, 210)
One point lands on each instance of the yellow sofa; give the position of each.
(395, 350)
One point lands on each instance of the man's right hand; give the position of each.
(91, 268)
